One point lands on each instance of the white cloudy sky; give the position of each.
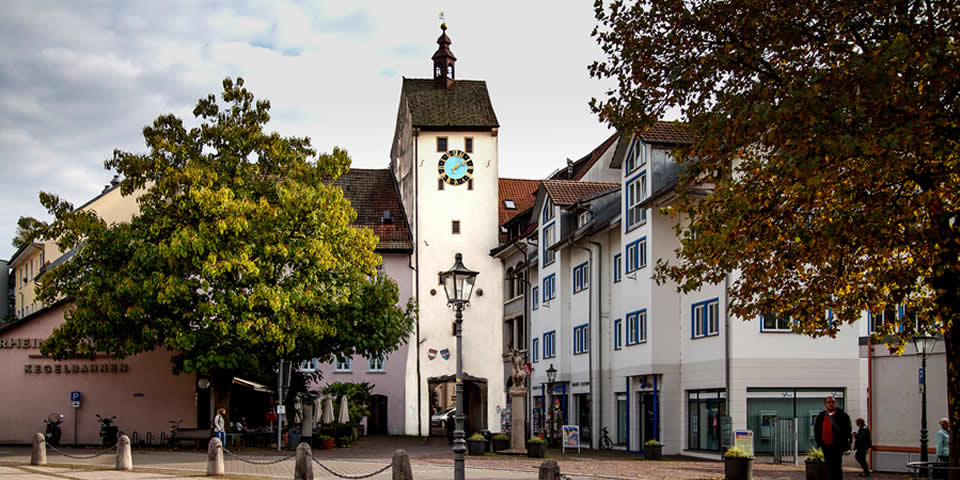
(80, 78)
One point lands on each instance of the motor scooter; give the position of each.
(108, 430)
(53, 431)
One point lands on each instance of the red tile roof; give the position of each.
(567, 192)
(521, 191)
(371, 192)
(666, 132)
(583, 165)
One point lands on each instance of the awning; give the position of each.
(254, 385)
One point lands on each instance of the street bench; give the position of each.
(199, 436)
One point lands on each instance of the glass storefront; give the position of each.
(766, 405)
(581, 405)
(536, 417)
(705, 410)
(621, 419)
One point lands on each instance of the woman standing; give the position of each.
(219, 424)
(943, 441)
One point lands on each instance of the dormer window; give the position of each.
(509, 205)
(584, 218)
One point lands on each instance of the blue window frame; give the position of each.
(636, 157)
(617, 334)
(705, 318)
(581, 339)
(637, 254)
(535, 349)
(581, 277)
(637, 327)
(549, 287)
(548, 238)
(550, 344)
(617, 268)
(535, 293)
(771, 322)
(548, 210)
(636, 192)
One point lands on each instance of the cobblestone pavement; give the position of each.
(431, 460)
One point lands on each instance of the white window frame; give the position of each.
(509, 204)
(705, 318)
(636, 192)
(713, 317)
(617, 267)
(376, 364)
(636, 157)
(584, 218)
(535, 293)
(343, 365)
(636, 254)
(549, 237)
(548, 212)
(781, 323)
(535, 347)
(549, 287)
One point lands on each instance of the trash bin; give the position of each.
(293, 439)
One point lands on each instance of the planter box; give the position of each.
(536, 450)
(476, 447)
(817, 471)
(653, 452)
(738, 468)
(327, 444)
(500, 445)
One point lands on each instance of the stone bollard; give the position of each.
(39, 455)
(304, 466)
(215, 458)
(124, 455)
(549, 470)
(401, 466)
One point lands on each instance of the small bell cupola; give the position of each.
(443, 60)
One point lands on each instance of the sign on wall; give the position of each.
(743, 439)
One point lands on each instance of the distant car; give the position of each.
(443, 417)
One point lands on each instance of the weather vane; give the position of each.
(443, 17)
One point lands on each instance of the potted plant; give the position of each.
(343, 442)
(536, 447)
(816, 465)
(324, 441)
(476, 444)
(653, 450)
(500, 442)
(737, 465)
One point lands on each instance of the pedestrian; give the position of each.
(832, 430)
(943, 441)
(450, 426)
(861, 444)
(219, 424)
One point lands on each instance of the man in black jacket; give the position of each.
(861, 444)
(832, 430)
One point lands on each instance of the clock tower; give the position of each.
(444, 158)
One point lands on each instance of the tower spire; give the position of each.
(443, 60)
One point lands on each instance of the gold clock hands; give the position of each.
(458, 165)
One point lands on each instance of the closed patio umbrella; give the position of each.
(344, 416)
(327, 417)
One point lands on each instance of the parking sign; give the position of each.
(74, 396)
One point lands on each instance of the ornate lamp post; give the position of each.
(924, 344)
(458, 285)
(548, 404)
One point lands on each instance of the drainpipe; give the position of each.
(726, 345)
(599, 402)
(416, 207)
(593, 397)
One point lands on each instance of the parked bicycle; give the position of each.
(173, 442)
(605, 442)
(108, 430)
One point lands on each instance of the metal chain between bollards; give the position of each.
(82, 457)
(253, 462)
(350, 477)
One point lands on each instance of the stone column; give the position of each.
(518, 420)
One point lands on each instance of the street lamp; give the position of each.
(551, 374)
(548, 404)
(458, 285)
(924, 344)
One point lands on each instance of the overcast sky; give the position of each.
(80, 78)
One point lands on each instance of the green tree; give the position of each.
(27, 231)
(242, 252)
(828, 131)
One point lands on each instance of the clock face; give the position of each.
(455, 167)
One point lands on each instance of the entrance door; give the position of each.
(378, 415)
(647, 413)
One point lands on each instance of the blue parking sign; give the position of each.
(74, 396)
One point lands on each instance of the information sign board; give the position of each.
(571, 437)
(743, 439)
